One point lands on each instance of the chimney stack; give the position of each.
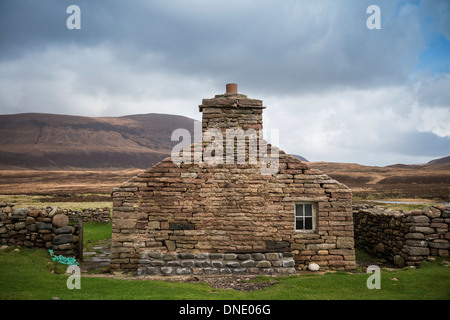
(231, 110)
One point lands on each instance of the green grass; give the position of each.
(406, 207)
(30, 274)
(20, 200)
(77, 205)
(94, 232)
(25, 201)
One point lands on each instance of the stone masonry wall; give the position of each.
(229, 205)
(402, 238)
(42, 228)
(231, 111)
(95, 215)
(218, 209)
(184, 263)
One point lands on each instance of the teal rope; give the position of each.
(64, 260)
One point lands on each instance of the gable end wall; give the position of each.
(231, 208)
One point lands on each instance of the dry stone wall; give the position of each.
(231, 111)
(209, 209)
(95, 215)
(402, 238)
(42, 228)
(190, 208)
(198, 207)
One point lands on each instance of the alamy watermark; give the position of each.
(74, 20)
(374, 21)
(374, 281)
(74, 280)
(238, 146)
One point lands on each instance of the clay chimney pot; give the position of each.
(232, 88)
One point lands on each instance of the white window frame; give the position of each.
(304, 216)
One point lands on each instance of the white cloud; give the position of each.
(367, 126)
(92, 81)
(336, 90)
(364, 125)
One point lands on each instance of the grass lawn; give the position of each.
(406, 205)
(30, 274)
(94, 232)
(25, 201)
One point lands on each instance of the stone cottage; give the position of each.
(231, 203)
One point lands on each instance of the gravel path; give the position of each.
(240, 283)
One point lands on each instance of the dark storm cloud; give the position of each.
(287, 46)
(338, 89)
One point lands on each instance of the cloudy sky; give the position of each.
(335, 89)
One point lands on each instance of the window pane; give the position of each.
(308, 210)
(308, 224)
(299, 223)
(299, 210)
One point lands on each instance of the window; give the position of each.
(304, 217)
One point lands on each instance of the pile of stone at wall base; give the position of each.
(404, 238)
(38, 228)
(202, 263)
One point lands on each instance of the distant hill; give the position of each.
(299, 157)
(62, 142)
(429, 181)
(49, 153)
(440, 161)
(51, 141)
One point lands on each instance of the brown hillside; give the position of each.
(50, 141)
(397, 181)
(431, 182)
(444, 160)
(48, 153)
